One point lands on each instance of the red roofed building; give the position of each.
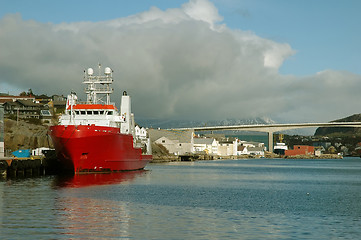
(9, 98)
(300, 150)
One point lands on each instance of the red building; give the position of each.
(300, 150)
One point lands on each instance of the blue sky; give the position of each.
(325, 33)
(290, 60)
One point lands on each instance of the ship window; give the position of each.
(101, 112)
(96, 113)
(77, 112)
(110, 113)
(82, 112)
(89, 112)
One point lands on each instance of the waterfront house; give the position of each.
(176, 142)
(256, 151)
(140, 132)
(205, 145)
(228, 147)
(242, 150)
(250, 144)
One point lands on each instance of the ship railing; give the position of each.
(85, 102)
(99, 90)
(98, 79)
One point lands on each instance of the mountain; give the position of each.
(161, 123)
(324, 131)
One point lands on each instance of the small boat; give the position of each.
(280, 147)
(94, 137)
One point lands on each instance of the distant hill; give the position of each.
(325, 131)
(159, 123)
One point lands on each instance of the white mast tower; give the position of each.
(98, 85)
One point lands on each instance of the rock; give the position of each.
(24, 135)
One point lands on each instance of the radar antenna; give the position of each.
(98, 87)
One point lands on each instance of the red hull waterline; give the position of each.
(90, 148)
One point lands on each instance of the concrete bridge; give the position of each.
(271, 128)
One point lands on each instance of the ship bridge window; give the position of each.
(110, 113)
(76, 112)
(89, 112)
(101, 112)
(96, 113)
(82, 112)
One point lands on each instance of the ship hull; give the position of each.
(90, 148)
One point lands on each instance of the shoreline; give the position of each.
(191, 158)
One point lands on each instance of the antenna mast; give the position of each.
(98, 86)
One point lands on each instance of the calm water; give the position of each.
(229, 199)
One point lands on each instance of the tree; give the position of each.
(30, 93)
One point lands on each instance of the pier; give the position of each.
(23, 167)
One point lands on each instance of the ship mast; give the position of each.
(98, 87)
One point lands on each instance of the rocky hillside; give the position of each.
(23, 135)
(326, 131)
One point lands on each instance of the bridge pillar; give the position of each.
(270, 141)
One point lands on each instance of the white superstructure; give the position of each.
(98, 109)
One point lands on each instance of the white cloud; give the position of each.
(202, 10)
(180, 63)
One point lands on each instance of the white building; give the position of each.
(242, 150)
(228, 147)
(257, 151)
(176, 142)
(140, 133)
(250, 148)
(205, 145)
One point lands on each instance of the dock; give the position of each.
(22, 167)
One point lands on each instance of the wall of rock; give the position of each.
(22, 135)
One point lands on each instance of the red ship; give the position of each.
(94, 136)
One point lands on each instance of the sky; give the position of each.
(291, 61)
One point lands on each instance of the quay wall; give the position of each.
(322, 156)
(21, 167)
(2, 147)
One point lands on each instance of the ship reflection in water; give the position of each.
(87, 211)
(90, 217)
(86, 180)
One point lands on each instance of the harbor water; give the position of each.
(225, 199)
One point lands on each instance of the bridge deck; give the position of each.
(271, 128)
